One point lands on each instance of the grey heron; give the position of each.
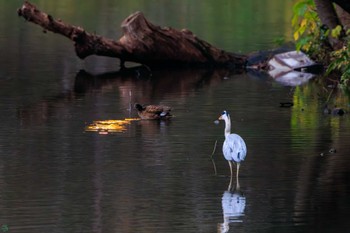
(234, 147)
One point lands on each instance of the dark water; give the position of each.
(157, 176)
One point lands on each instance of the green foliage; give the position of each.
(309, 35)
(312, 37)
(305, 23)
(341, 60)
(336, 32)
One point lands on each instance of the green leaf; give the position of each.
(335, 33)
(299, 8)
(295, 20)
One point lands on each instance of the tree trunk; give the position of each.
(327, 13)
(142, 42)
(344, 17)
(328, 17)
(345, 4)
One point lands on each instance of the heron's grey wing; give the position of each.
(242, 148)
(228, 150)
(234, 148)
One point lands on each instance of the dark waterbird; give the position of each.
(333, 111)
(286, 104)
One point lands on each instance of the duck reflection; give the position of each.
(233, 206)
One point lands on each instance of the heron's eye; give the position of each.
(224, 113)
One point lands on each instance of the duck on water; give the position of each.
(153, 112)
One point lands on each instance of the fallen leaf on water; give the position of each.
(109, 126)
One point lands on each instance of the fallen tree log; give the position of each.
(142, 42)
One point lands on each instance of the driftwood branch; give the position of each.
(142, 42)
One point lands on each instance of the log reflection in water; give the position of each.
(137, 84)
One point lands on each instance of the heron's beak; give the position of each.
(220, 118)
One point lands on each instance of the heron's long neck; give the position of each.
(227, 126)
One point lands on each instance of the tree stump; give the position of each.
(142, 42)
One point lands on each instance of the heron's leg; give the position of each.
(237, 177)
(230, 185)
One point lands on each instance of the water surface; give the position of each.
(157, 176)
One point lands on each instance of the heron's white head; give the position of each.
(224, 115)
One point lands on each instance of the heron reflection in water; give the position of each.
(233, 206)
